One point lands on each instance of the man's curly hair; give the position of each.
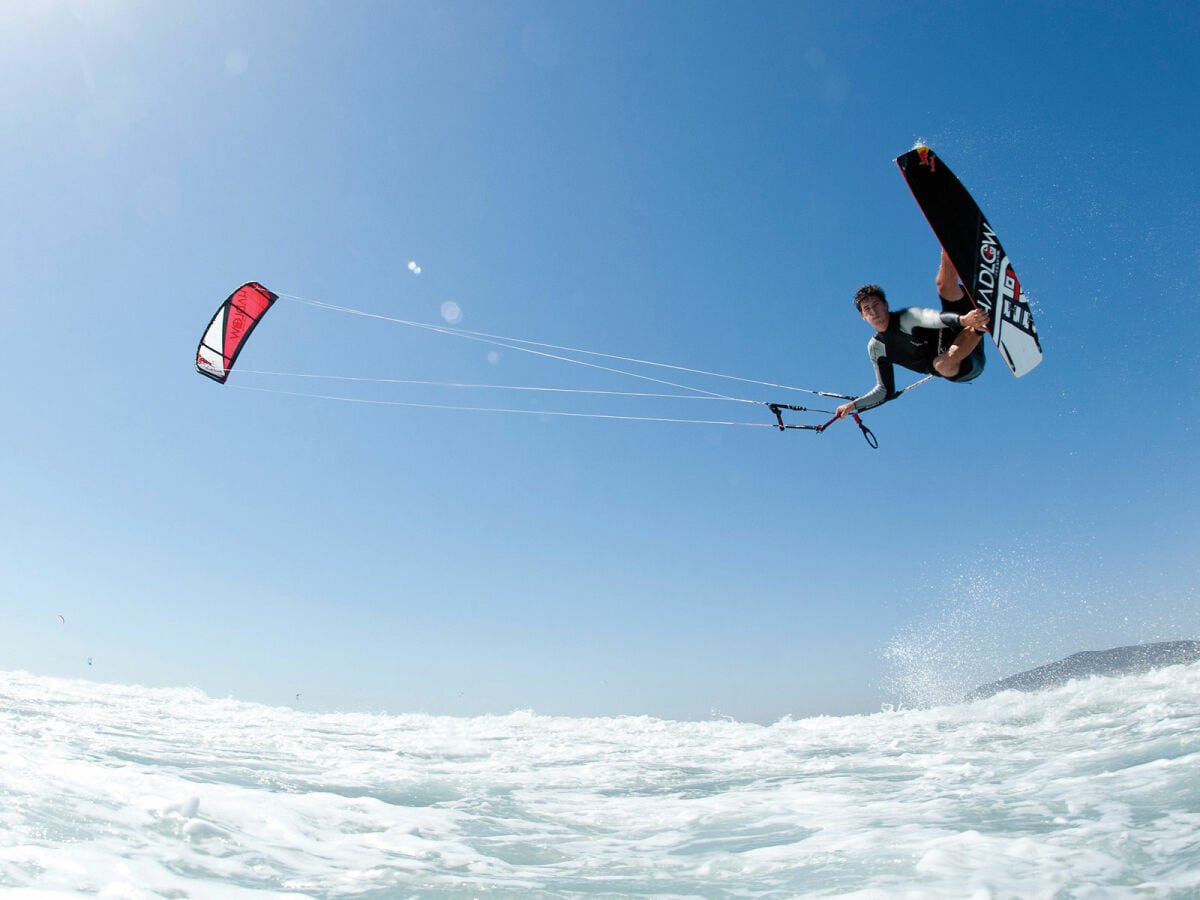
(868, 290)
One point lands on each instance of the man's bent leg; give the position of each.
(971, 367)
(948, 364)
(948, 287)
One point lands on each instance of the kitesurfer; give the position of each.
(945, 343)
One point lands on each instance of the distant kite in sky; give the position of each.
(230, 327)
(61, 618)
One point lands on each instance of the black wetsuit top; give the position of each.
(912, 340)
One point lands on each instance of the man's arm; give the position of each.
(885, 382)
(916, 317)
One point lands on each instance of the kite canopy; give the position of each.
(229, 329)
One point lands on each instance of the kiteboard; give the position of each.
(983, 267)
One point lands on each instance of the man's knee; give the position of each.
(945, 366)
(970, 368)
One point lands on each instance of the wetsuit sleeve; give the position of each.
(916, 317)
(885, 378)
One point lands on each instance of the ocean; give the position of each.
(1090, 790)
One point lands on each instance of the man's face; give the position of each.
(875, 313)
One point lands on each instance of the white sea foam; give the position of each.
(1089, 790)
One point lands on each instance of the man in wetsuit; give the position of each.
(932, 343)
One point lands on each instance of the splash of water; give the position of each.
(1019, 610)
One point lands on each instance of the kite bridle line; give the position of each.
(495, 409)
(556, 351)
(538, 348)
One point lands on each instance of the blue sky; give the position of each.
(699, 184)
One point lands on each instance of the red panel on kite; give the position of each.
(230, 327)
